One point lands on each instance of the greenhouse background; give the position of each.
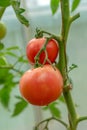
(39, 15)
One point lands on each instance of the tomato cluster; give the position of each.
(43, 85)
(35, 45)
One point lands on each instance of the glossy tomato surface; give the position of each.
(35, 45)
(42, 85)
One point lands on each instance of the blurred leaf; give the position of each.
(6, 79)
(3, 75)
(18, 12)
(73, 66)
(75, 4)
(3, 61)
(19, 107)
(4, 3)
(61, 98)
(21, 10)
(1, 46)
(5, 96)
(11, 54)
(12, 48)
(21, 59)
(54, 4)
(54, 110)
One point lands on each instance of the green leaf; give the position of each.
(21, 59)
(3, 61)
(18, 12)
(1, 46)
(54, 4)
(5, 96)
(54, 110)
(4, 3)
(75, 4)
(3, 73)
(19, 107)
(21, 10)
(61, 99)
(11, 54)
(6, 84)
(13, 48)
(73, 66)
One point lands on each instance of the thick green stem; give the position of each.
(71, 109)
(65, 12)
(65, 18)
(66, 92)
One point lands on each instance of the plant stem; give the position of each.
(81, 119)
(58, 38)
(65, 12)
(40, 51)
(12, 68)
(71, 109)
(52, 118)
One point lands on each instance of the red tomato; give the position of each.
(42, 85)
(35, 45)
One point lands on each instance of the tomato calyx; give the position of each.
(39, 33)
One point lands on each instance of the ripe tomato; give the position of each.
(3, 30)
(42, 85)
(35, 45)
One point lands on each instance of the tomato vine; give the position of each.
(67, 19)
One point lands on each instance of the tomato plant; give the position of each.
(3, 30)
(45, 84)
(42, 85)
(34, 46)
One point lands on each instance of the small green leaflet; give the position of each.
(5, 96)
(6, 80)
(22, 59)
(3, 61)
(54, 4)
(75, 4)
(4, 3)
(61, 99)
(54, 110)
(12, 48)
(19, 106)
(18, 12)
(1, 46)
(11, 54)
(73, 66)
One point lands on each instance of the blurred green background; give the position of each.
(39, 15)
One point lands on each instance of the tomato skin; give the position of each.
(35, 45)
(42, 85)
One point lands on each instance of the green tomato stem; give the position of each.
(49, 119)
(40, 51)
(62, 65)
(81, 119)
